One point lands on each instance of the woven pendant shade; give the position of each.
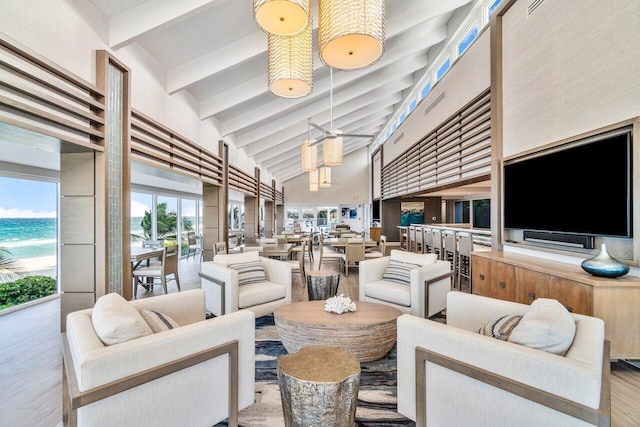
(290, 64)
(351, 33)
(332, 151)
(309, 156)
(325, 177)
(282, 17)
(313, 180)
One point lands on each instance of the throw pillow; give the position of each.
(226, 259)
(115, 320)
(249, 272)
(547, 326)
(399, 272)
(502, 327)
(158, 322)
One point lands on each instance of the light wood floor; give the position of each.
(31, 367)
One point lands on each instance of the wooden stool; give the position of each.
(322, 284)
(319, 387)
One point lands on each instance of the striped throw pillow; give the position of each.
(501, 328)
(249, 272)
(399, 272)
(158, 322)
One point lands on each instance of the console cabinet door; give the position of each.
(481, 276)
(531, 285)
(503, 281)
(575, 296)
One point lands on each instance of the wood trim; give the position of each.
(73, 398)
(597, 417)
(222, 285)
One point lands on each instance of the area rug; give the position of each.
(377, 401)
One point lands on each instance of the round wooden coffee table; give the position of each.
(369, 332)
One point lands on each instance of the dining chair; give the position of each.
(168, 267)
(380, 252)
(194, 246)
(298, 266)
(353, 254)
(327, 255)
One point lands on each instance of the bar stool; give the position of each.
(411, 240)
(427, 240)
(418, 245)
(465, 246)
(450, 252)
(436, 242)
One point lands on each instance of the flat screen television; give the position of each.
(585, 188)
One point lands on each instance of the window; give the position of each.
(481, 213)
(461, 212)
(402, 117)
(308, 219)
(167, 218)
(425, 90)
(492, 7)
(394, 127)
(467, 40)
(141, 218)
(28, 239)
(293, 216)
(413, 105)
(443, 69)
(188, 222)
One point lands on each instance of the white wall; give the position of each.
(572, 66)
(469, 76)
(352, 187)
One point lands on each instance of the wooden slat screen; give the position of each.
(279, 198)
(154, 144)
(242, 182)
(40, 96)
(266, 192)
(458, 149)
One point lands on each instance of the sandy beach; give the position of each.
(39, 266)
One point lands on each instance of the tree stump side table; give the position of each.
(319, 387)
(322, 284)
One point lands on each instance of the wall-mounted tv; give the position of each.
(582, 188)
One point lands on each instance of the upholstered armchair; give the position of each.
(449, 374)
(245, 281)
(198, 373)
(420, 290)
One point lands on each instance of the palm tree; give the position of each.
(167, 223)
(8, 266)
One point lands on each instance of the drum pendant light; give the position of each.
(313, 180)
(290, 64)
(351, 33)
(282, 17)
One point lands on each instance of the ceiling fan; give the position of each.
(333, 133)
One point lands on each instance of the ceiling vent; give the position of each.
(395, 141)
(533, 6)
(434, 103)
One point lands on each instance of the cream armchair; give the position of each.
(224, 295)
(210, 362)
(434, 276)
(472, 379)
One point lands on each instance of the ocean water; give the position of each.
(28, 237)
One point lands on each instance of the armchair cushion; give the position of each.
(249, 272)
(158, 322)
(116, 321)
(260, 293)
(392, 292)
(546, 326)
(399, 272)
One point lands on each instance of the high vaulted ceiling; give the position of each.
(214, 50)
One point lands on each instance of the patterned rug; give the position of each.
(377, 401)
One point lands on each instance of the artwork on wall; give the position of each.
(345, 213)
(411, 213)
(353, 213)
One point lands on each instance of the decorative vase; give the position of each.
(604, 265)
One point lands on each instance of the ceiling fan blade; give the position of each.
(355, 135)
(320, 128)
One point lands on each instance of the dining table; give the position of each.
(277, 250)
(142, 254)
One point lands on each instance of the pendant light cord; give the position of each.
(331, 95)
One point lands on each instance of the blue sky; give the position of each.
(23, 198)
